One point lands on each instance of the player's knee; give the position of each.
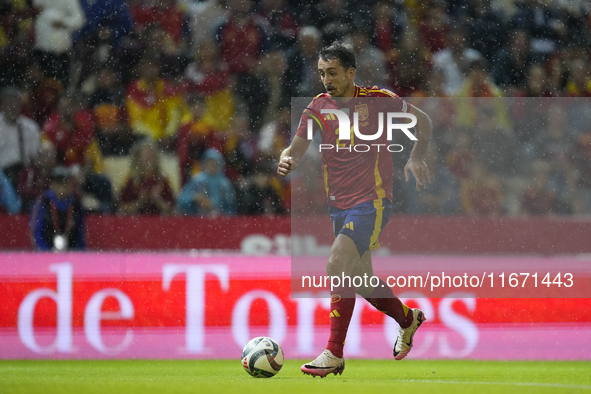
(364, 291)
(336, 265)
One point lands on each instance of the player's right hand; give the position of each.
(286, 165)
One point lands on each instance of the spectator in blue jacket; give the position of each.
(209, 192)
(9, 201)
(112, 14)
(57, 220)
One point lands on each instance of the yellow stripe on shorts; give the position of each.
(379, 206)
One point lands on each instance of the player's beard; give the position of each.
(335, 92)
(338, 90)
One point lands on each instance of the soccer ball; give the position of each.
(262, 357)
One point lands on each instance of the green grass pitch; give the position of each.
(227, 376)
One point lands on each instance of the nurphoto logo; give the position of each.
(346, 131)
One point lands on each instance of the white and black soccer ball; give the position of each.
(262, 357)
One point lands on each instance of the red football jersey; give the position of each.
(351, 174)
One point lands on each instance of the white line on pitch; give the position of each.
(556, 385)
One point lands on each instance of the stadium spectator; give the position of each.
(557, 73)
(239, 148)
(57, 220)
(538, 198)
(41, 93)
(274, 67)
(529, 115)
(442, 110)
(208, 73)
(112, 16)
(442, 197)
(19, 135)
(241, 37)
(94, 53)
(252, 97)
(283, 22)
(371, 62)
(163, 13)
(15, 17)
(581, 155)
(432, 86)
(542, 21)
(275, 134)
(103, 39)
(481, 194)
(512, 62)
(454, 60)
(16, 40)
(579, 82)
(194, 138)
(209, 76)
(169, 54)
(302, 64)
(9, 202)
(203, 18)
(108, 109)
(410, 65)
(35, 179)
(263, 88)
(257, 196)
(434, 26)
(55, 26)
(478, 84)
(71, 131)
(209, 193)
(147, 191)
(490, 144)
(485, 27)
(575, 15)
(554, 146)
(578, 85)
(308, 185)
(536, 83)
(387, 25)
(331, 18)
(462, 155)
(154, 108)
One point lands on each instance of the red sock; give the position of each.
(342, 303)
(383, 299)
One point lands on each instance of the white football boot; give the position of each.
(405, 335)
(324, 364)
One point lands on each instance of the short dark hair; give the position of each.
(342, 52)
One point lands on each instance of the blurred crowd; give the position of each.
(183, 106)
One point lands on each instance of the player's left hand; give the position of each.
(419, 169)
